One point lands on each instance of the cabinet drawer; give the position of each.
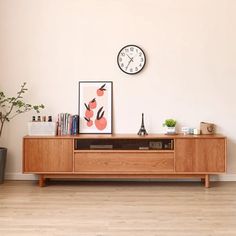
(124, 162)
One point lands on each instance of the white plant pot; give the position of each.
(170, 130)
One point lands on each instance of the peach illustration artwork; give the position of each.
(101, 90)
(101, 121)
(95, 107)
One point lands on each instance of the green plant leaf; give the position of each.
(170, 123)
(13, 106)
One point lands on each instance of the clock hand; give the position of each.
(131, 58)
(128, 64)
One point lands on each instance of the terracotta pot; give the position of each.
(3, 158)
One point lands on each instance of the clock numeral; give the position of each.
(131, 49)
(120, 59)
(136, 68)
(131, 70)
(122, 54)
(127, 50)
(141, 59)
(136, 50)
(122, 64)
(140, 65)
(140, 54)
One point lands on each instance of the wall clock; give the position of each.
(131, 59)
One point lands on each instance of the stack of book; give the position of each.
(68, 124)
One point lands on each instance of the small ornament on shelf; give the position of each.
(142, 131)
(169, 125)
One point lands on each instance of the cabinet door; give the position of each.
(210, 155)
(48, 155)
(185, 152)
(200, 155)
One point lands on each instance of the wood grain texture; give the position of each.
(185, 152)
(41, 181)
(48, 155)
(200, 155)
(117, 209)
(124, 162)
(113, 176)
(126, 136)
(195, 154)
(124, 151)
(210, 155)
(207, 181)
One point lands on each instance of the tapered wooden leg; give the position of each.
(207, 181)
(41, 181)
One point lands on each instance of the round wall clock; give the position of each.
(131, 59)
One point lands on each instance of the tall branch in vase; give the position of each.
(10, 107)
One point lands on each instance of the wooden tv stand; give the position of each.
(124, 156)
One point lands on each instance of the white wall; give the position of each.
(190, 72)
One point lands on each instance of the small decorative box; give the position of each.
(42, 128)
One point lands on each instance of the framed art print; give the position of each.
(95, 107)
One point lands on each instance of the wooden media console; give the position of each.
(124, 156)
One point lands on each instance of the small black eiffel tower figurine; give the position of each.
(142, 131)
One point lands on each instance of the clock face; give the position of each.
(131, 59)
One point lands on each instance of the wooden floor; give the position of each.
(117, 208)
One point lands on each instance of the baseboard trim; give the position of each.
(20, 176)
(224, 177)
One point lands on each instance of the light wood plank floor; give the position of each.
(117, 208)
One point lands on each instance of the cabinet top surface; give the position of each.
(127, 136)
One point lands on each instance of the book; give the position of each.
(68, 124)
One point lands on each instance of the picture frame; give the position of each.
(95, 107)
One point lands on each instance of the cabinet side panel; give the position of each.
(48, 155)
(184, 155)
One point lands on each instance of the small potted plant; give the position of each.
(170, 124)
(10, 107)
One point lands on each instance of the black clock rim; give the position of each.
(129, 45)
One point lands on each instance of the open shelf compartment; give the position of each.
(124, 144)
